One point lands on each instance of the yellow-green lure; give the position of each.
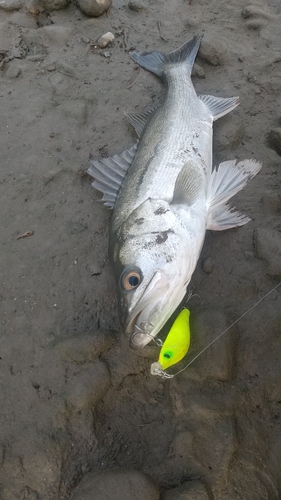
(176, 344)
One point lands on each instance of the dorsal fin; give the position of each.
(139, 120)
(109, 174)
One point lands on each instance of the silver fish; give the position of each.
(165, 195)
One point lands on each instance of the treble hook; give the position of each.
(158, 342)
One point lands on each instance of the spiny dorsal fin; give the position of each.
(219, 106)
(109, 174)
(139, 120)
(188, 185)
(225, 183)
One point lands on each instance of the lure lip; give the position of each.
(156, 368)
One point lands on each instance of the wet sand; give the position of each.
(81, 416)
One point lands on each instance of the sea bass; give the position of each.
(165, 195)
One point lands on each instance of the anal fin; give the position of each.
(225, 217)
(225, 182)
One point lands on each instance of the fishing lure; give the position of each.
(156, 368)
(176, 344)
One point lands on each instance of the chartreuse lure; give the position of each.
(176, 344)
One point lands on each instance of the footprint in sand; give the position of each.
(256, 16)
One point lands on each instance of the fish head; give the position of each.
(150, 259)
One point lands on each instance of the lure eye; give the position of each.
(131, 279)
(167, 355)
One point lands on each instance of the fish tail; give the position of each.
(156, 62)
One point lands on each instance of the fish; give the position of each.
(177, 342)
(165, 194)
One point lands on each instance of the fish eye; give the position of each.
(131, 279)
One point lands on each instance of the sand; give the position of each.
(81, 416)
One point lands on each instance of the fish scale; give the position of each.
(153, 174)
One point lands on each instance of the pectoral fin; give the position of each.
(225, 183)
(109, 174)
(188, 185)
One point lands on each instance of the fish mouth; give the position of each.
(139, 336)
(138, 324)
(152, 312)
(144, 331)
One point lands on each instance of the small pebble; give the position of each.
(105, 40)
(106, 54)
(198, 71)
(212, 51)
(50, 5)
(10, 5)
(137, 5)
(93, 8)
(32, 7)
(208, 265)
(274, 139)
(13, 70)
(51, 67)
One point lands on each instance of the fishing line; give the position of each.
(164, 374)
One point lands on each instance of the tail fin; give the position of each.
(156, 61)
